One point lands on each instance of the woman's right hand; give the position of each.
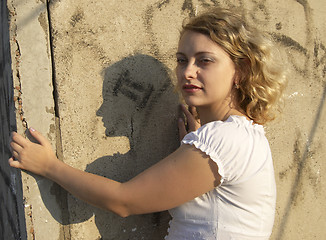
(37, 158)
(191, 123)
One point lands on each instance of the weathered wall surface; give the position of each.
(113, 63)
(116, 104)
(298, 138)
(32, 78)
(12, 220)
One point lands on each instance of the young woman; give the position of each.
(219, 184)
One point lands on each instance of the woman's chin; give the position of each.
(190, 102)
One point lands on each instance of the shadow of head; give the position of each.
(132, 89)
(138, 102)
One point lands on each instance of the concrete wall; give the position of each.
(32, 78)
(12, 220)
(114, 111)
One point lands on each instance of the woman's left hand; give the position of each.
(190, 124)
(35, 157)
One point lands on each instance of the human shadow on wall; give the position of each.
(139, 103)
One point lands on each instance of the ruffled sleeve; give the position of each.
(228, 144)
(202, 140)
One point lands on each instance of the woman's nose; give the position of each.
(190, 71)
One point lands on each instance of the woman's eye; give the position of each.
(206, 60)
(181, 60)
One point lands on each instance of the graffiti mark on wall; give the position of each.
(255, 11)
(297, 54)
(135, 91)
(307, 170)
(320, 59)
(189, 7)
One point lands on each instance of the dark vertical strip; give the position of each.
(12, 217)
(63, 197)
(55, 92)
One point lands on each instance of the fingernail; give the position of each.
(32, 129)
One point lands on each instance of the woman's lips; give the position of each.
(190, 88)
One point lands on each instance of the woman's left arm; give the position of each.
(178, 178)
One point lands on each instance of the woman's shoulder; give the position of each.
(222, 136)
(234, 127)
(228, 143)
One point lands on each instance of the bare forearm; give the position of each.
(178, 178)
(40, 159)
(93, 189)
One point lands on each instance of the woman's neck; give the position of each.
(209, 113)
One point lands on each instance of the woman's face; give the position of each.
(205, 72)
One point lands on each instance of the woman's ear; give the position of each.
(236, 79)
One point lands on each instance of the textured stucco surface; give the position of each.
(113, 63)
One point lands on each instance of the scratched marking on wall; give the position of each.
(320, 59)
(257, 12)
(139, 93)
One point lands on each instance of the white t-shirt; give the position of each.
(243, 205)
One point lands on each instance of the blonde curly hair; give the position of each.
(258, 68)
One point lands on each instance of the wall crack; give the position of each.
(18, 94)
